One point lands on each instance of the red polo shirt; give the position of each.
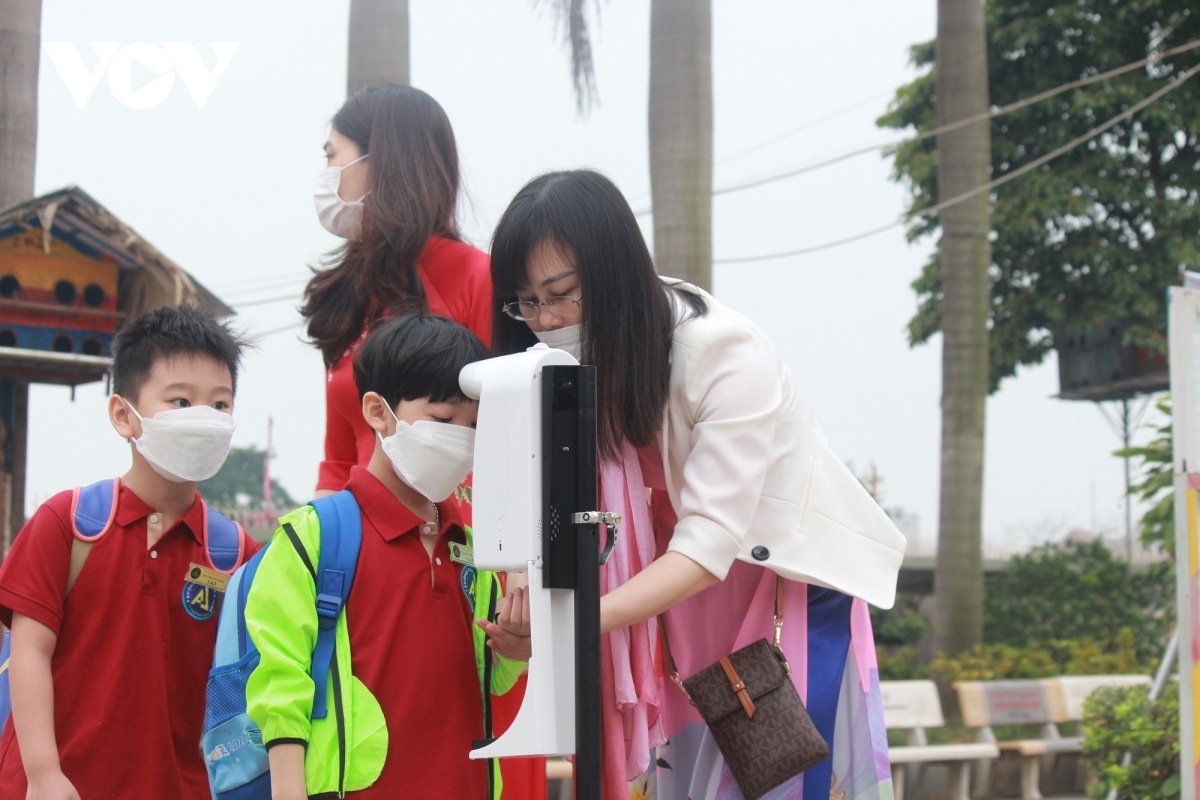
(130, 664)
(458, 283)
(410, 642)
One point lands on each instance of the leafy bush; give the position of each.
(1077, 591)
(1120, 720)
(902, 625)
(989, 662)
(900, 664)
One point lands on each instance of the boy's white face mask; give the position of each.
(431, 457)
(185, 444)
(341, 218)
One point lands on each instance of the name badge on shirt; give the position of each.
(202, 588)
(461, 554)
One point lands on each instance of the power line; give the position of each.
(967, 195)
(989, 114)
(804, 127)
(274, 285)
(281, 329)
(268, 300)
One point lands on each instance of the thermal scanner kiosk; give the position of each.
(534, 500)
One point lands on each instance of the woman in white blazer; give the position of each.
(698, 413)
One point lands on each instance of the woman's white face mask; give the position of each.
(339, 217)
(185, 444)
(568, 339)
(431, 457)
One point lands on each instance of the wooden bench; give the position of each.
(913, 706)
(1045, 702)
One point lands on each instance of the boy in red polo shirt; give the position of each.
(412, 677)
(109, 659)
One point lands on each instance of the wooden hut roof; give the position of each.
(148, 278)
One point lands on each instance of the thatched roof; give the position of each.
(148, 279)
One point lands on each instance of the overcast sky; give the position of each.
(226, 192)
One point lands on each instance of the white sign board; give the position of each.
(1184, 342)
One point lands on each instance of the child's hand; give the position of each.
(509, 636)
(52, 785)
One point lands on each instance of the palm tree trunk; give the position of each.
(681, 137)
(378, 52)
(20, 49)
(964, 158)
(20, 53)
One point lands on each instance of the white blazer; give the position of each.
(749, 471)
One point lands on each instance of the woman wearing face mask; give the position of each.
(746, 498)
(390, 190)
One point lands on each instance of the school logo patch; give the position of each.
(200, 601)
(467, 579)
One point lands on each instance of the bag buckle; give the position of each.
(328, 608)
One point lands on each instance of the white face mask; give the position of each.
(185, 444)
(568, 339)
(338, 216)
(431, 457)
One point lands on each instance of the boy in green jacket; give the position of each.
(416, 659)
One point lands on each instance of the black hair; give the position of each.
(414, 173)
(164, 333)
(416, 356)
(627, 314)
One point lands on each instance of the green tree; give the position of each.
(239, 483)
(1098, 234)
(1080, 591)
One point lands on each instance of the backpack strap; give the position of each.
(341, 539)
(93, 509)
(223, 540)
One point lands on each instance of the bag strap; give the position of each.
(93, 509)
(670, 662)
(222, 539)
(341, 539)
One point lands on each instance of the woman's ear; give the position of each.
(377, 414)
(123, 420)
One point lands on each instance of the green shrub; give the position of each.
(1077, 591)
(900, 664)
(902, 625)
(992, 662)
(1120, 720)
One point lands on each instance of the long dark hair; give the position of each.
(414, 191)
(627, 314)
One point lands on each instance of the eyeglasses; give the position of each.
(527, 310)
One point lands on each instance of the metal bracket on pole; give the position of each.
(609, 519)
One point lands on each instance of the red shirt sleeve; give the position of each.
(341, 447)
(458, 280)
(480, 301)
(33, 578)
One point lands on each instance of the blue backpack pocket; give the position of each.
(238, 766)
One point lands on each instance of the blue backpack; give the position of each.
(238, 767)
(93, 509)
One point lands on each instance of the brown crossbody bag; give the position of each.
(753, 711)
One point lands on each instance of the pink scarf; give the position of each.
(629, 687)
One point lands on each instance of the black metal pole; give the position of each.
(587, 601)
